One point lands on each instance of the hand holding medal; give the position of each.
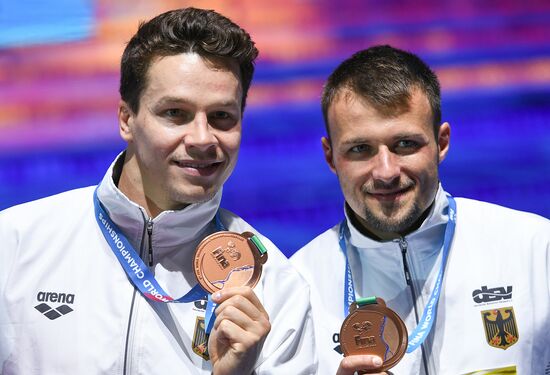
(371, 328)
(228, 265)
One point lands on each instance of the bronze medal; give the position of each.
(229, 259)
(374, 329)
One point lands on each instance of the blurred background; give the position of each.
(59, 62)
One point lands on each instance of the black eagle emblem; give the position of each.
(500, 326)
(200, 339)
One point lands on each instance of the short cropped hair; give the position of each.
(385, 77)
(188, 30)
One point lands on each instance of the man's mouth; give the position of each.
(389, 195)
(198, 168)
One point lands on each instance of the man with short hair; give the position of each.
(69, 299)
(469, 279)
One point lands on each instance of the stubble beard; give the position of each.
(400, 224)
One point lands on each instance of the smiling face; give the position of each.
(184, 141)
(387, 167)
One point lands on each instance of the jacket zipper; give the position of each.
(128, 345)
(403, 245)
(150, 234)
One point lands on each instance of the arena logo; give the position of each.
(52, 312)
(336, 340)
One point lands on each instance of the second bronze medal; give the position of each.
(372, 328)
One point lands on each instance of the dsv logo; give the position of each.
(54, 312)
(493, 294)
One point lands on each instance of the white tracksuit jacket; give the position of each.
(67, 306)
(499, 259)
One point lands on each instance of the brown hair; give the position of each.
(188, 30)
(385, 77)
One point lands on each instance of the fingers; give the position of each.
(349, 365)
(238, 338)
(243, 291)
(241, 307)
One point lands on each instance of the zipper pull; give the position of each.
(149, 234)
(403, 245)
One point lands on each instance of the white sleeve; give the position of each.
(8, 247)
(290, 345)
(289, 348)
(293, 330)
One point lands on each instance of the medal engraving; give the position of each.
(376, 330)
(228, 259)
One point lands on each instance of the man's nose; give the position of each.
(386, 166)
(200, 133)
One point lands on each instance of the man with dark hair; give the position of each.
(85, 276)
(475, 299)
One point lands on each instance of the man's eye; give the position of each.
(222, 119)
(220, 115)
(406, 143)
(359, 148)
(174, 112)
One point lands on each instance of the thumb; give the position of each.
(349, 365)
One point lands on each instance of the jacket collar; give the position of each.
(432, 227)
(171, 229)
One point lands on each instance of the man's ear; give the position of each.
(125, 121)
(444, 140)
(327, 150)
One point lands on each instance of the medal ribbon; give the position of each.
(420, 333)
(139, 273)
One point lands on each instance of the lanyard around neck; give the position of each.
(420, 333)
(136, 270)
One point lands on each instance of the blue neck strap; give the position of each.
(139, 274)
(420, 333)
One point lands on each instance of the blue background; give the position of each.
(493, 59)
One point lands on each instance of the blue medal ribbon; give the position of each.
(420, 333)
(349, 289)
(210, 315)
(139, 273)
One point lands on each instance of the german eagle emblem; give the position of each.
(500, 326)
(200, 339)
